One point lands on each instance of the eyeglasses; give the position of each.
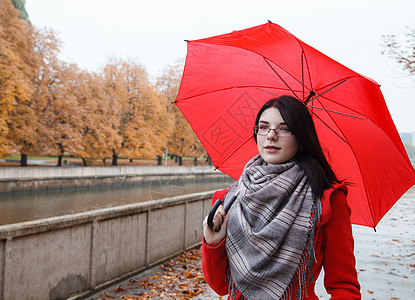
(280, 132)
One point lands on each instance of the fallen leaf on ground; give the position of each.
(180, 278)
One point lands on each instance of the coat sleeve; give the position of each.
(215, 263)
(215, 260)
(340, 276)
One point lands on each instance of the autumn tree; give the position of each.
(401, 53)
(146, 126)
(143, 124)
(18, 121)
(99, 119)
(55, 98)
(183, 141)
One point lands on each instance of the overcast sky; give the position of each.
(153, 32)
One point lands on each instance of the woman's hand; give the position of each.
(213, 237)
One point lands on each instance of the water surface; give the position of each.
(23, 207)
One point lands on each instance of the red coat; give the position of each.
(333, 247)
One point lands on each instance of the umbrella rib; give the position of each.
(336, 112)
(340, 104)
(266, 60)
(306, 62)
(336, 85)
(339, 82)
(370, 207)
(265, 91)
(303, 56)
(302, 71)
(329, 126)
(227, 88)
(232, 153)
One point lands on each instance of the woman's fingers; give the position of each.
(218, 218)
(215, 236)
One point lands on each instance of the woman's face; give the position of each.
(273, 149)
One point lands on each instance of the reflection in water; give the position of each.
(26, 207)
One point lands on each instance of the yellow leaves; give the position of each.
(16, 73)
(53, 107)
(179, 278)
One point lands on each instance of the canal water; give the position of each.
(23, 207)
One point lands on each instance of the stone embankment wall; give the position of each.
(75, 255)
(73, 178)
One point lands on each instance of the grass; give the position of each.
(13, 161)
(18, 157)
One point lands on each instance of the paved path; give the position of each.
(385, 264)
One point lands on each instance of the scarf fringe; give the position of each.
(304, 273)
(232, 289)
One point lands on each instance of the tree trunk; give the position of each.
(60, 156)
(114, 158)
(165, 157)
(180, 161)
(84, 162)
(195, 161)
(131, 160)
(103, 160)
(159, 161)
(23, 160)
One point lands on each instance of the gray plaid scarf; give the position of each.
(270, 235)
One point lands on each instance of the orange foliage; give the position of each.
(182, 140)
(51, 107)
(55, 99)
(17, 66)
(178, 278)
(143, 125)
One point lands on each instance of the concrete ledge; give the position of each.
(33, 179)
(74, 255)
(96, 172)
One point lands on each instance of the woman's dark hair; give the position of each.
(311, 157)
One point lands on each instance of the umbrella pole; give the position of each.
(309, 97)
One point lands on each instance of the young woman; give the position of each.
(290, 219)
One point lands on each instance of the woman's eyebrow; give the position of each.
(261, 121)
(266, 122)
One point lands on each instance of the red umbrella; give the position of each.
(228, 77)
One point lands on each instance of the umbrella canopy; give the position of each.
(227, 78)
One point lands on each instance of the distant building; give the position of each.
(408, 137)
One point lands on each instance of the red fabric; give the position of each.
(333, 251)
(227, 78)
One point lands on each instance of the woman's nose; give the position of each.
(272, 134)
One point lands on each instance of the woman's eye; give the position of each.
(263, 127)
(285, 129)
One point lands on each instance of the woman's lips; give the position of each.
(271, 149)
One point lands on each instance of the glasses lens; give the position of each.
(284, 132)
(264, 130)
(261, 130)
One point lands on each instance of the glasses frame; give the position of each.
(276, 130)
